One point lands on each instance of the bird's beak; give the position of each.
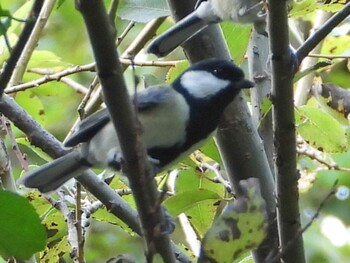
(246, 84)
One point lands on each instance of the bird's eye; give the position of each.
(218, 71)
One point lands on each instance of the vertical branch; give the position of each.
(238, 140)
(288, 217)
(125, 122)
(258, 56)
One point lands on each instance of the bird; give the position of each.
(208, 12)
(176, 120)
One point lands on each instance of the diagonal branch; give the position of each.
(320, 34)
(125, 122)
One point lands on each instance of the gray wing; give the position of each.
(146, 99)
(88, 128)
(152, 97)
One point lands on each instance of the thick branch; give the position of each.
(239, 143)
(124, 119)
(288, 217)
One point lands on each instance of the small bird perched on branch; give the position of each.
(176, 120)
(209, 12)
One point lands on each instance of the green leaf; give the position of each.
(241, 227)
(142, 11)
(56, 226)
(21, 233)
(303, 8)
(191, 179)
(33, 105)
(321, 130)
(4, 12)
(211, 150)
(46, 59)
(54, 251)
(37, 150)
(174, 72)
(265, 108)
(183, 201)
(332, 8)
(104, 216)
(339, 73)
(40, 204)
(248, 259)
(198, 197)
(202, 215)
(21, 13)
(232, 32)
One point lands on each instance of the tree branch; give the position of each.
(123, 116)
(49, 144)
(237, 137)
(320, 34)
(18, 49)
(288, 216)
(32, 42)
(304, 84)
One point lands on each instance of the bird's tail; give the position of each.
(54, 174)
(182, 31)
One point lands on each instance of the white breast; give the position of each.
(163, 126)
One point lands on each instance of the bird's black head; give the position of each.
(210, 79)
(208, 87)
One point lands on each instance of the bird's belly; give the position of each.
(101, 145)
(161, 131)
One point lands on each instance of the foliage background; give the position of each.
(54, 105)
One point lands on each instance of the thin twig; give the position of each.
(280, 255)
(7, 41)
(306, 150)
(328, 56)
(81, 107)
(20, 157)
(78, 224)
(6, 176)
(50, 77)
(72, 238)
(125, 32)
(219, 178)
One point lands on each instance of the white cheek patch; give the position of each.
(202, 84)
